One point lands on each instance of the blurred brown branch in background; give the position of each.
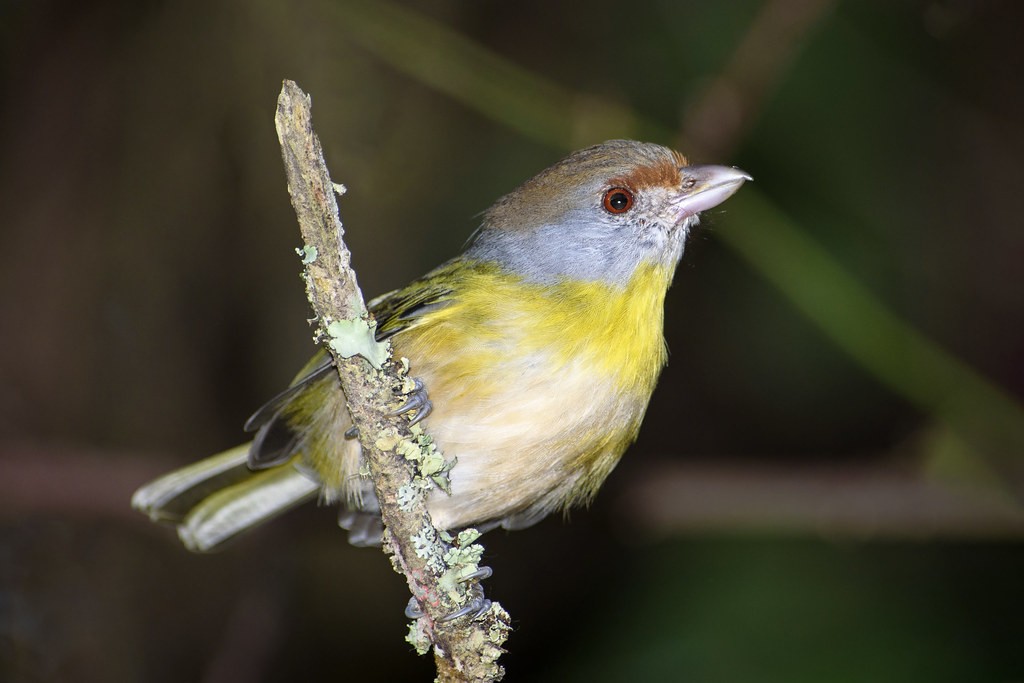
(861, 502)
(719, 494)
(62, 479)
(725, 109)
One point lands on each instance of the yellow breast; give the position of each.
(537, 388)
(495, 318)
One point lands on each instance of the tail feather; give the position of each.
(249, 503)
(170, 497)
(216, 498)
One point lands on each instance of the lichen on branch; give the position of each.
(400, 458)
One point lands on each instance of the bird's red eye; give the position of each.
(618, 200)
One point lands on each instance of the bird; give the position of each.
(535, 351)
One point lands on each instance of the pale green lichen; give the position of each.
(355, 338)
(308, 253)
(423, 542)
(468, 535)
(389, 438)
(418, 637)
(462, 560)
(436, 564)
(432, 463)
(441, 479)
(412, 493)
(409, 449)
(408, 496)
(498, 632)
(453, 560)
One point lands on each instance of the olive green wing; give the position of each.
(398, 310)
(275, 437)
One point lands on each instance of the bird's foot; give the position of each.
(476, 605)
(417, 400)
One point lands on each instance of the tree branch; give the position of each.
(401, 459)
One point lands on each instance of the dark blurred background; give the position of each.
(828, 484)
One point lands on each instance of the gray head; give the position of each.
(601, 212)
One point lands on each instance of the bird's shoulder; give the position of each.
(397, 310)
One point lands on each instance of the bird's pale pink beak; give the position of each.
(705, 187)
